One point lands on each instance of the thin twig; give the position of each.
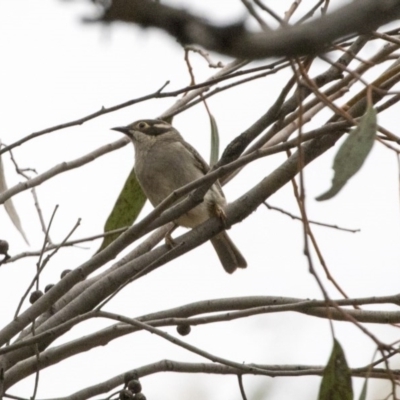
(62, 167)
(11, 396)
(213, 311)
(39, 266)
(56, 248)
(40, 214)
(271, 12)
(388, 103)
(312, 86)
(291, 11)
(168, 365)
(206, 56)
(169, 318)
(41, 269)
(65, 244)
(255, 15)
(300, 195)
(241, 387)
(310, 221)
(181, 343)
(148, 268)
(190, 68)
(386, 37)
(155, 95)
(22, 172)
(324, 9)
(37, 374)
(310, 13)
(228, 86)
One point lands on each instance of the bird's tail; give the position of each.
(229, 255)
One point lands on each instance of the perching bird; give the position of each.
(164, 162)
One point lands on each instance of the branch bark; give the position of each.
(235, 41)
(216, 369)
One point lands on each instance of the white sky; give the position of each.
(55, 69)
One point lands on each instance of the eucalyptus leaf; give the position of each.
(214, 156)
(336, 380)
(126, 209)
(363, 394)
(352, 153)
(9, 205)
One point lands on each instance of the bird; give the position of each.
(164, 162)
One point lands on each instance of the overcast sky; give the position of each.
(56, 69)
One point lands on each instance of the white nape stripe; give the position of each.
(161, 125)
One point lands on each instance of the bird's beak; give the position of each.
(123, 129)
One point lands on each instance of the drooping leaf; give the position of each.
(336, 381)
(126, 209)
(352, 153)
(363, 394)
(9, 205)
(214, 156)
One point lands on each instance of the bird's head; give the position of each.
(146, 130)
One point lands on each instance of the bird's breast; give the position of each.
(163, 169)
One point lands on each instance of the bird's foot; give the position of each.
(220, 213)
(169, 241)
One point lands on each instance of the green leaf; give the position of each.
(363, 394)
(214, 156)
(9, 205)
(126, 209)
(352, 153)
(336, 381)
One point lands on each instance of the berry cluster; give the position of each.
(132, 389)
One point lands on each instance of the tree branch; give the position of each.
(216, 369)
(234, 40)
(228, 310)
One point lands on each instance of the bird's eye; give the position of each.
(142, 125)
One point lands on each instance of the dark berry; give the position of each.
(183, 329)
(134, 386)
(36, 295)
(48, 287)
(3, 247)
(65, 272)
(129, 376)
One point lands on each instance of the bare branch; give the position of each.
(63, 167)
(310, 221)
(212, 368)
(236, 41)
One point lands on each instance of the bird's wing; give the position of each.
(199, 161)
(202, 165)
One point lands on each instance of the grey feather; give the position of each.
(229, 255)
